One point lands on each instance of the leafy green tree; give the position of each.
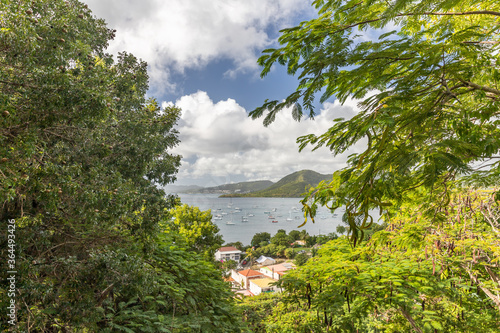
(428, 92)
(301, 259)
(197, 230)
(81, 153)
(310, 241)
(260, 237)
(238, 245)
(295, 235)
(282, 239)
(289, 253)
(228, 265)
(303, 234)
(411, 276)
(341, 229)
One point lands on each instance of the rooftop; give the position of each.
(228, 249)
(280, 267)
(250, 272)
(264, 282)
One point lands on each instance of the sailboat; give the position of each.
(289, 218)
(230, 222)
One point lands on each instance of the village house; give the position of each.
(228, 253)
(262, 285)
(242, 278)
(263, 260)
(276, 271)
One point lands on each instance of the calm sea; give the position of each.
(287, 211)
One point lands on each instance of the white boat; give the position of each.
(250, 215)
(229, 223)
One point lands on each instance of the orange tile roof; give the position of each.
(250, 272)
(228, 248)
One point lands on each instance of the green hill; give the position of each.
(291, 186)
(243, 187)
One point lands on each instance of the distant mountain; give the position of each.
(291, 186)
(182, 188)
(238, 188)
(243, 187)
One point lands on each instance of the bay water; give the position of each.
(240, 218)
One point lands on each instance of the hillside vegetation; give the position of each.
(242, 187)
(291, 186)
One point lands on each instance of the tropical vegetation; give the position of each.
(95, 245)
(426, 81)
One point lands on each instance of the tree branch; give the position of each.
(410, 320)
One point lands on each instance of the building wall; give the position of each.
(228, 256)
(255, 289)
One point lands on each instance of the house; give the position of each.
(262, 285)
(263, 260)
(227, 253)
(243, 277)
(244, 292)
(276, 271)
(299, 243)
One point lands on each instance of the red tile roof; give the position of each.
(228, 249)
(250, 272)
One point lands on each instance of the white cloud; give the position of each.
(179, 34)
(220, 143)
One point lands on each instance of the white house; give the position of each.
(276, 271)
(262, 285)
(244, 277)
(227, 253)
(263, 260)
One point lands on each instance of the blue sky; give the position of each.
(202, 57)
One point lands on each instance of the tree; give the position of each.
(81, 153)
(260, 237)
(428, 93)
(197, 230)
(341, 229)
(412, 276)
(289, 253)
(239, 245)
(282, 239)
(295, 234)
(301, 259)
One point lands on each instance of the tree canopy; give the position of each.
(82, 151)
(427, 86)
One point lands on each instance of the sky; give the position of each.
(202, 57)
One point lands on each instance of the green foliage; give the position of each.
(282, 239)
(196, 229)
(242, 187)
(291, 186)
(295, 234)
(412, 276)
(81, 150)
(289, 253)
(260, 237)
(428, 93)
(301, 259)
(341, 229)
(255, 309)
